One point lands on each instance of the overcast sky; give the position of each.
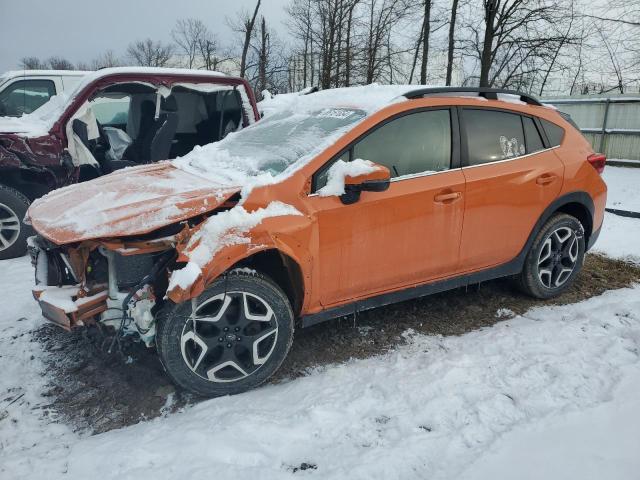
(79, 30)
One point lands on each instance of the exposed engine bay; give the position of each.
(120, 282)
(119, 287)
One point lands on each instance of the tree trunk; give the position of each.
(415, 55)
(490, 11)
(425, 41)
(452, 27)
(247, 40)
(347, 63)
(262, 62)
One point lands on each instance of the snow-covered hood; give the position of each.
(38, 122)
(132, 201)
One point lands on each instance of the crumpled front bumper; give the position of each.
(68, 306)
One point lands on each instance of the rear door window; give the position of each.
(493, 135)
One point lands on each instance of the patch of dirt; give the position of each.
(96, 391)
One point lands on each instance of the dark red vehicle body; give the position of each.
(35, 166)
(36, 155)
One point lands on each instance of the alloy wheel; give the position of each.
(558, 257)
(229, 336)
(9, 227)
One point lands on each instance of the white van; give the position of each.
(23, 91)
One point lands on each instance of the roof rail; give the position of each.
(488, 93)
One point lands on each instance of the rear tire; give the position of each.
(13, 232)
(554, 259)
(242, 332)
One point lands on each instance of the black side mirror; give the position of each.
(352, 192)
(375, 185)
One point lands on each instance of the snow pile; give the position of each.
(222, 230)
(61, 297)
(369, 98)
(624, 188)
(338, 173)
(39, 122)
(592, 444)
(30, 433)
(619, 238)
(429, 409)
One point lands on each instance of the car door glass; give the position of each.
(25, 96)
(411, 144)
(493, 136)
(555, 134)
(322, 176)
(113, 112)
(532, 136)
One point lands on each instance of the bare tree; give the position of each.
(515, 38)
(267, 62)
(244, 25)
(32, 63)
(106, 60)
(189, 35)
(149, 53)
(382, 15)
(451, 44)
(59, 63)
(426, 30)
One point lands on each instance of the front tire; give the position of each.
(13, 233)
(231, 339)
(555, 258)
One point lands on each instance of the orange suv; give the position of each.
(341, 201)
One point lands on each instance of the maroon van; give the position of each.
(116, 117)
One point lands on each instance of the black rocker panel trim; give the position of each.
(511, 267)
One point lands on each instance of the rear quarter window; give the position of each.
(555, 134)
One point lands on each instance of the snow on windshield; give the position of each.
(269, 147)
(300, 127)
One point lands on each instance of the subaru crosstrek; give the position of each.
(338, 202)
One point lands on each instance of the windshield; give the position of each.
(274, 143)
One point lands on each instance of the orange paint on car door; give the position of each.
(504, 201)
(406, 235)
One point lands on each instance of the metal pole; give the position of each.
(604, 124)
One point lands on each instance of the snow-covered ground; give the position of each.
(624, 188)
(549, 394)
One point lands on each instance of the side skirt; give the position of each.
(511, 268)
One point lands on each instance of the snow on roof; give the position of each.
(369, 98)
(39, 73)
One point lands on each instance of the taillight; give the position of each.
(597, 161)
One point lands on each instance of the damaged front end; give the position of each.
(117, 283)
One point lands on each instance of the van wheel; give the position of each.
(555, 258)
(232, 338)
(13, 233)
